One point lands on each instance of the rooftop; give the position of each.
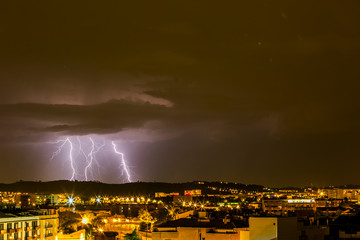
(196, 223)
(21, 213)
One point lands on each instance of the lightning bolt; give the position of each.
(71, 160)
(90, 156)
(58, 151)
(123, 162)
(81, 149)
(96, 151)
(88, 152)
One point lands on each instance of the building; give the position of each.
(323, 202)
(204, 229)
(193, 192)
(28, 224)
(352, 194)
(79, 235)
(269, 228)
(48, 199)
(24, 200)
(345, 227)
(162, 194)
(281, 206)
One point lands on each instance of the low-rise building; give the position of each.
(162, 194)
(78, 235)
(50, 199)
(192, 192)
(352, 194)
(281, 206)
(195, 229)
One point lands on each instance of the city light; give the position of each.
(301, 200)
(85, 220)
(70, 201)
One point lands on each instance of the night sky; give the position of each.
(262, 92)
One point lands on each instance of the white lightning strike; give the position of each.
(123, 162)
(57, 152)
(71, 160)
(88, 151)
(81, 149)
(94, 155)
(90, 156)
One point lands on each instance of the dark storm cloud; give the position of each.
(117, 115)
(257, 87)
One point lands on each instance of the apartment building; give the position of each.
(26, 225)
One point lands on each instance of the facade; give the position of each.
(283, 205)
(192, 192)
(79, 235)
(321, 203)
(269, 228)
(195, 229)
(24, 200)
(352, 194)
(162, 194)
(28, 225)
(51, 199)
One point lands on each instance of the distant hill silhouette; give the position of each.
(98, 188)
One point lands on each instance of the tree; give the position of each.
(162, 215)
(132, 236)
(146, 219)
(172, 211)
(98, 222)
(145, 216)
(68, 221)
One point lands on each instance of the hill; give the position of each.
(135, 188)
